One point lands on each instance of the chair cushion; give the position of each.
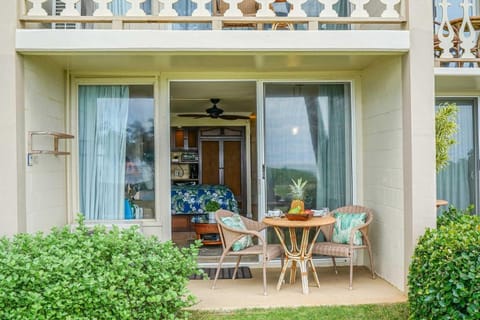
(235, 222)
(343, 225)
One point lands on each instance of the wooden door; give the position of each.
(232, 166)
(210, 162)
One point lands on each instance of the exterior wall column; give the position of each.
(419, 126)
(12, 160)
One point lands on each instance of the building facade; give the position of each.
(338, 91)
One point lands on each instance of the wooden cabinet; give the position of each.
(222, 153)
(208, 233)
(184, 156)
(185, 138)
(184, 231)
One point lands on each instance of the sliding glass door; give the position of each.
(116, 151)
(308, 135)
(457, 183)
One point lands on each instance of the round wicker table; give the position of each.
(301, 254)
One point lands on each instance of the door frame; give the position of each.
(476, 137)
(262, 185)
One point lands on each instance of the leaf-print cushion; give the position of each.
(343, 225)
(235, 222)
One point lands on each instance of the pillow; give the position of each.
(343, 225)
(235, 222)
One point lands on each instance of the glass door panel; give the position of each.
(457, 183)
(308, 136)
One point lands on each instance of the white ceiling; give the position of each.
(194, 96)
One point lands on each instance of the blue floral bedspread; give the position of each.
(192, 199)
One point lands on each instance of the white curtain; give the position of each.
(103, 114)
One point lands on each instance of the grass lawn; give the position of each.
(367, 312)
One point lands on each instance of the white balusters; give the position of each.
(201, 10)
(296, 8)
(467, 38)
(233, 10)
(168, 10)
(445, 41)
(37, 9)
(359, 11)
(265, 10)
(70, 10)
(135, 10)
(328, 11)
(390, 11)
(102, 9)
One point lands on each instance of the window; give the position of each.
(457, 182)
(116, 151)
(308, 135)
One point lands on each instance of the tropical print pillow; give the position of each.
(343, 225)
(235, 222)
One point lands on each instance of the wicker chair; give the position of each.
(229, 236)
(332, 249)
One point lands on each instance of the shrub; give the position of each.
(444, 277)
(445, 129)
(453, 215)
(94, 274)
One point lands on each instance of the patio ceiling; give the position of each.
(193, 96)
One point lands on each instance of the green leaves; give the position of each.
(94, 274)
(445, 129)
(444, 277)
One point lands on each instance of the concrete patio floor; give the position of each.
(248, 293)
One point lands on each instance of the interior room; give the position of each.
(213, 157)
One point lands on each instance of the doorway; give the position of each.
(213, 157)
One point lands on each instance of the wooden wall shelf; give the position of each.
(56, 137)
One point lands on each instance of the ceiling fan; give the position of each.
(214, 112)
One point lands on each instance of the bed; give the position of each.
(187, 199)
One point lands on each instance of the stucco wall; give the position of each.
(12, 187)
(383, 165)
(46, 204)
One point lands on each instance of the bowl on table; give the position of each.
(302, 216)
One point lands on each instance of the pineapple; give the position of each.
(297, 190)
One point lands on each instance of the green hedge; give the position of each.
(444, 277)
(94, 274)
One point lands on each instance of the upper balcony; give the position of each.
(457, 29)
(298, 15)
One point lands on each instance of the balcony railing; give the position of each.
(213, 14)
(456, 41)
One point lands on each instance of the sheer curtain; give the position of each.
(332, 145)
(456, 182)
(103, 114)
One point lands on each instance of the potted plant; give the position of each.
(211, 207)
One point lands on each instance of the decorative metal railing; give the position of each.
(216, 13)
(456, 41)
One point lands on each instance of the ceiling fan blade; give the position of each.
(193, 115)
(232, 117)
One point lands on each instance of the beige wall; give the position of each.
(12, 164)
(46, 204)
(419, 124)
(383, 185)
